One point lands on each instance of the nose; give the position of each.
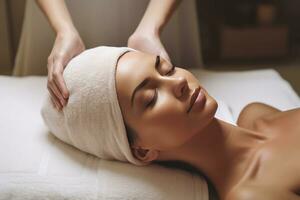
(180, 86)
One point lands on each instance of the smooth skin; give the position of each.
(258, 159)
(68, 42)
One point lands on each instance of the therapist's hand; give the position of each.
(149, 43)
(67, 45)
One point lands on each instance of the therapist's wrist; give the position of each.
(69, 34)
(149, 28)
(66, 29)
(70, 41)
(139, 36)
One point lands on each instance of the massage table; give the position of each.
(34, 164)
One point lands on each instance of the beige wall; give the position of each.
(5, 42)
(16, 10)
(11, 19)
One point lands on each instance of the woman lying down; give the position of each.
(134, 107)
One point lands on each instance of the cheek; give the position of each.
(167, 125)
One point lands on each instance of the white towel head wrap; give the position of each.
(92, 120)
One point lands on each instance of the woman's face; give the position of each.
(155, 101)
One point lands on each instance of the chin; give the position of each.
(211, 107)
(204, 118)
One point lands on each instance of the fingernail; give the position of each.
(62, 102)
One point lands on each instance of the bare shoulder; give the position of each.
(260, 192)
(253, 113)
(267, 119)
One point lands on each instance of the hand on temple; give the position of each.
(149, 43)
(146, 37)
(67, 45)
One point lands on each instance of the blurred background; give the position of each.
(212, 34)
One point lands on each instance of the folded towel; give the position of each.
(92, 119)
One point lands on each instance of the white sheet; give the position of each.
(35, 165)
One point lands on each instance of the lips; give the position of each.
(193, 98)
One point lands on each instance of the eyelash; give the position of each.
(171, 71)
(153, 100)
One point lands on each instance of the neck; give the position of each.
(221, 151)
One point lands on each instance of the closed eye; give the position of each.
(153, 100)
(172, 70)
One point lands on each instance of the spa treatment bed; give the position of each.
(36, 165)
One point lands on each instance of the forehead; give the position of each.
(132, 68)
(132, 60)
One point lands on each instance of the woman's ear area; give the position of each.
(145, 155)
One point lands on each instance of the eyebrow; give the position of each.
(145, 81)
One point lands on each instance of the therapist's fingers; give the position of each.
(67, 45)
(53, 92)
(59, 80)
(54, 103)
(58, 96)
(54, 100)
(165, 55)
(149, 43)
(51, 85)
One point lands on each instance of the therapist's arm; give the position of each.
(146, 37)
(68, 44)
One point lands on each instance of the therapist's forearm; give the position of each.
(58, 15)
(157, 15)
